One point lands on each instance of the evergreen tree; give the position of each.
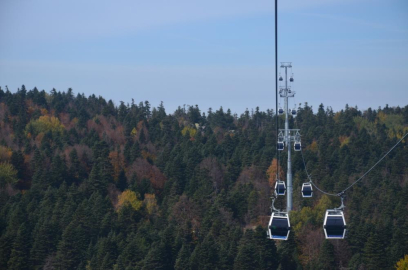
(326, 256)
(21, 248)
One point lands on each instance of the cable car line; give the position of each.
(358, 180)
(392, 148)
(310, 179)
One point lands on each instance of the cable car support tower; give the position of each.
(287, 135)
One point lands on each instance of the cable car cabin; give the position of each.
(280, 111)
(307, 190)
(293, 112)
(280, 146)
(297, 146)
(280, 78)
(334, 224)
(280, 188)
(279, 226)
(291, 79)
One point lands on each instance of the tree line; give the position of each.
(87, 184)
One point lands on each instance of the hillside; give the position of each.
(86, 184)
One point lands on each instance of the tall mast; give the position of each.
(286, 93)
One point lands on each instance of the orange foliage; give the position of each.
(142, 128)
(38, 139)
(65, 120)
(273, 171)
(144, 169)
(44, 111)
(109, 128)
(5, 153)
(118, 162)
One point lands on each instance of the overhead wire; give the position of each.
(358, 180)
(392, 148)
(276, 85)
(310, 178)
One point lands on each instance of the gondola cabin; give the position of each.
(307, 190)
(280, 188)
(297, 146)
(334, 224)
(280, 146)
(293, 112)
(280, 111)
(279, 226)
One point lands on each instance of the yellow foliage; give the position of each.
(402, 264)
(8, 175)
(394, 124)
(381, 117)
(344, 140)
(313, 147)
(302, 217)
(133, 132)
(272, 172)
(322, 206)
(308, 215)
(129, 197)
(46, 123)
(364, 123)
(190, 130)
(151, 203)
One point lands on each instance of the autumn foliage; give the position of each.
(272, 173)
(129, 197)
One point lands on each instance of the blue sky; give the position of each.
(212, 53)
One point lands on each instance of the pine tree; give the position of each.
(19, 258)
(183, 258)
(326, 256)
(374, 253)
(156, 258)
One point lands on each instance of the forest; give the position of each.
(89, 184)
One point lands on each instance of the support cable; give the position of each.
(392, 148)
(340, 194)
